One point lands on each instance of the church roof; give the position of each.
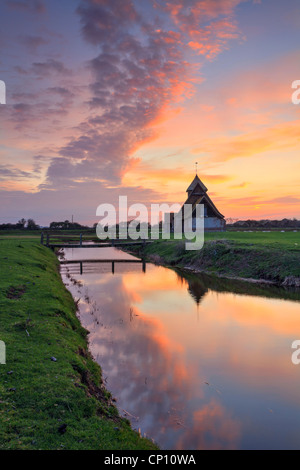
(200, 197)
(194, 183)
(206, 198)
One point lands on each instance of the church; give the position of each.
(197, 194)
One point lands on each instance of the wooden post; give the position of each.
(81, 239)
(42, 238)
(47, 242)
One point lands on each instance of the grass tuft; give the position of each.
(51, 391)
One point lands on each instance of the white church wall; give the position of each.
(210, 223)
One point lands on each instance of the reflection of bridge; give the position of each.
(100, 261)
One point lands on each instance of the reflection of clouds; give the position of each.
(212, 428)
(157, 356)
(146, 369)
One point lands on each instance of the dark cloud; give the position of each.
(64, 92)
(100, 156)
(101, 20)
(32, 42)
(80, 199)
(135, 75)
(62, 97)
(11, 172)
(39, 162)
(40, 112)
(27, 108)
(23, 96)
(35, 6)
(51, 66)
(285, 200)
(256, 200)
(21, 108)
(20, 70)
(138, 71)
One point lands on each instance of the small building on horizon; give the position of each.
(197, 194)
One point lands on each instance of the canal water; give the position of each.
(194, 363)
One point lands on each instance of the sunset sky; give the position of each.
(122, 97)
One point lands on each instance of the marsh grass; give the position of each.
(51, 391)
(273, 256)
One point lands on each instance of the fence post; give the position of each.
(47, 242)
(42, 238)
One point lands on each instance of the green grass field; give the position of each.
(285, 239)
(273, 256)
(48, 404)
(62, 404)
(275, 239)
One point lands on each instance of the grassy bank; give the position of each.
(51, 391)
(272, 257)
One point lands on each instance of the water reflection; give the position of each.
(192, 364)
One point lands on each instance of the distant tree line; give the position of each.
(67, 225)
(30, 224)
(265, 223)
(22, 224)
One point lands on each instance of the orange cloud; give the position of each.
(211, 39)
(240, 185)
(282, 136)
(152, 176)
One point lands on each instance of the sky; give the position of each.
(109, 98)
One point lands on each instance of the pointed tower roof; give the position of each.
(194, 183)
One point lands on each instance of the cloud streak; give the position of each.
(31, 6)
(125, 93)
(139, 73)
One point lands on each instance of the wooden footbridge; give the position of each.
(105, 244)
(45, 240)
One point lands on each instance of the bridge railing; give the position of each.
(45, 240)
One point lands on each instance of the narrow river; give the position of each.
(194, 363)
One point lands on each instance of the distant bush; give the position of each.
(21, 225)
(265, 223)
(66, 225)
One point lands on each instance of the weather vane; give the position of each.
(196, 165)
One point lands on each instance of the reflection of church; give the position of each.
(196, 285)
(197, 289)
